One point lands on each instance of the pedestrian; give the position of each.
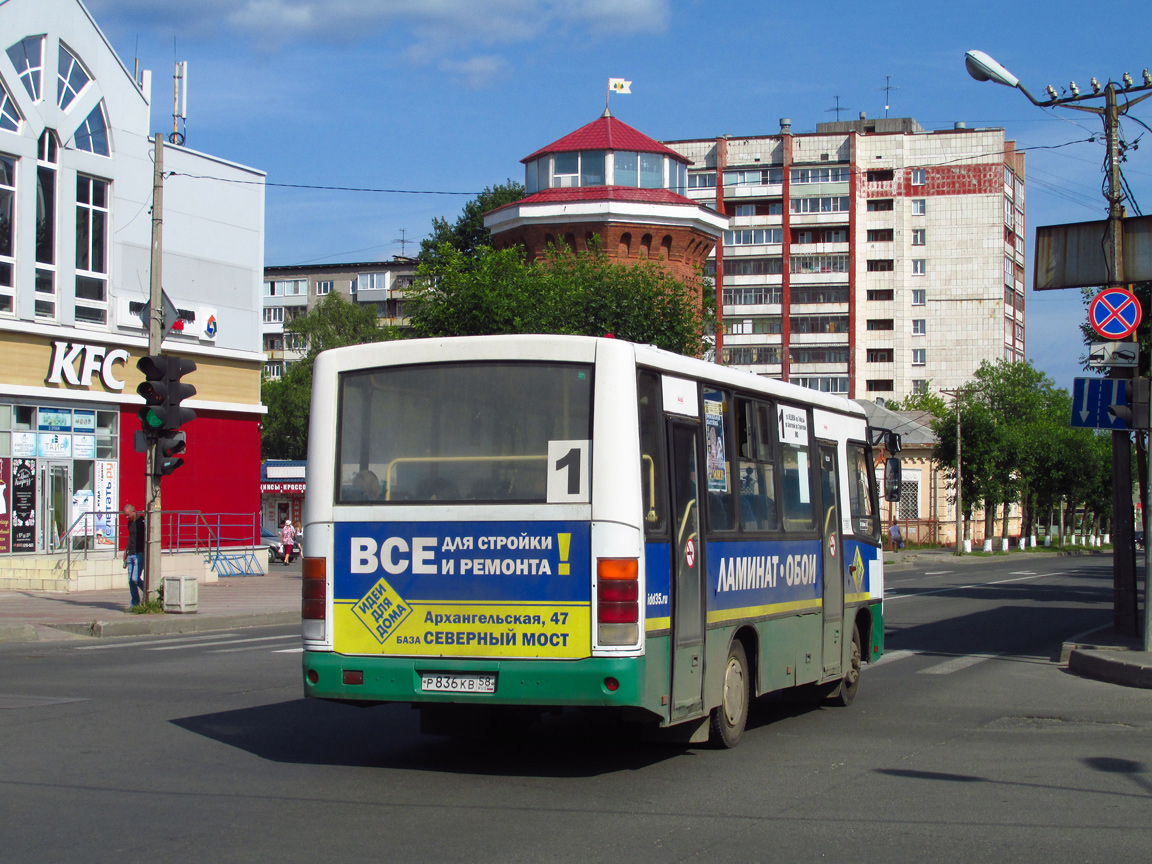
(288, 540)
(897, 540)
(134, 552)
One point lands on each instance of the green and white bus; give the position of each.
(550, 521)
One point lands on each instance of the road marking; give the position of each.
(1023, 573)
(957, 663)
(246, 648)
(894, 597)
(288, 651)
(938, 572)
(224, 642)
(150, 642)
(889, 656)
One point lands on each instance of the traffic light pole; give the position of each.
(155, 337)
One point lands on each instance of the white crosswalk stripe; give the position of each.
(890, 656)
(148, 642)
(224, 642)
(957, 663)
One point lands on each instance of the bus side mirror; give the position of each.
(892, 479)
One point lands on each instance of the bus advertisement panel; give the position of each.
(475, 589)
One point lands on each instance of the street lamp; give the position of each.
(983, 68)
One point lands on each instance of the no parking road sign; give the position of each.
(1114, 313)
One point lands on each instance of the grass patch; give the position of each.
(152, 607)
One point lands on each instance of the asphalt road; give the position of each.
(966, 743)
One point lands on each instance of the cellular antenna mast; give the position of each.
(179, 103)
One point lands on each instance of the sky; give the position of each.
(438, 99)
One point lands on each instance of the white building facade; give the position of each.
(871, 258)
(76, 178)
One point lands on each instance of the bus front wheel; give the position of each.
(731, 715)
(850, 683)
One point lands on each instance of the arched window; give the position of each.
(666, 246)
(645, 245)
(570, 241)
(9, 114)
(27, 56)
(72, 78)
(92, 134)
(625, 248)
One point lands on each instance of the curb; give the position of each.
(1105, 665)
(148, 625)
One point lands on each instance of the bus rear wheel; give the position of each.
(845, 692)
(731, 715)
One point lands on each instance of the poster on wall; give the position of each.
(107, 503)
(55, 445)
(82, 505)
(23, 505)
(23, 443)
(83, 446)
(5, 505)
(717, 461)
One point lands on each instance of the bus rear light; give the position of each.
(313, 676)
(611, 684)
(314, 590)
(618, 601)
(353, 676)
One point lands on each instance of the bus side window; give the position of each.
(796, 479)
(756, 471)
(718, 465)
(653, 480)
(862, 492)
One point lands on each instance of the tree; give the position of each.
(921, 400)
(332, 323)
(497, 291)
(468, 234)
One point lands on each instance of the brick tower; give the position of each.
(610, 181)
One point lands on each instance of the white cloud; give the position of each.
(477, 72)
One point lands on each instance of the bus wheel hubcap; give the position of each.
(733, 693)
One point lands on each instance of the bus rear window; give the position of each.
(457, 431)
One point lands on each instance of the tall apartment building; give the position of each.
(868, 258)
(291, 290)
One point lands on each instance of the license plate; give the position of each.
(458, 682)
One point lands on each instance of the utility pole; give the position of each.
(155, 337)
(955, 394)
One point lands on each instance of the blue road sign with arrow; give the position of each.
(1091, 398)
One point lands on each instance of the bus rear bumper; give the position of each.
(594, 681)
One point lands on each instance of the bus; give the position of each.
(536, 522)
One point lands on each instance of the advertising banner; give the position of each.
(23, 505)
(107, 503)
(5, 505)
(472, 589)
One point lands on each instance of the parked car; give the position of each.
(276, 548)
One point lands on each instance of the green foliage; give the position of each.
(332, 323)
(497, 291)
(925, 400)
(468, 234)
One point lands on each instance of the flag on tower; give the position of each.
(619, 85)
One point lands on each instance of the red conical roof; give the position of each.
(607, 133)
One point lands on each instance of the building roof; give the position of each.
(914, 427)
(398, 262)
(607, 133)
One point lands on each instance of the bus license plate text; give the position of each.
(449, 682)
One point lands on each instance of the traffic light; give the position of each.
(167, 448)
(1136, 413)
(163, 391)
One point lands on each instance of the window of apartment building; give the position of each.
(820, 175)
(354, 286)
(72, 79)
(880, 355)
(1008, 177)
(295, 342)
(919, 206)
(804, 236)
(273, 342)
(801, 264)
(919, 385)
(823, 383)
(273, 370)
(919, 297)
(754, 237)
(826, 204)
(751, 355)
(819, 323)
(1009, 213)
(919, 356)
(753, 295)
(9, 115)
(818, 353)
(45, 304)
(1019, 332)
(820, 294)
(7, 245)
(880, 265)
(919, 236)
(881, 175)
(291, 313)
(273, 314)
(919, 327)
(92, 134)
(91, 250)
(919, 177)
(27, 56)
(324, 286)
(751, 326)
(754, 177)
(753, 266)
(745, 210)
(707, 180)
(879, 385)
(880, 235)
(919, 266)
(880, 294)
(879, 205)
(881, 324)
(1009, 297)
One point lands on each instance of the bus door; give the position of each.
(687, 572)
(833, 561)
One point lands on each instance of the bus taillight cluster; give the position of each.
(313, 593)
(618, 601)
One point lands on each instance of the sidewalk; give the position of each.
(234, 601)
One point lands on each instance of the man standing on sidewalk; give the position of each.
(134, 552)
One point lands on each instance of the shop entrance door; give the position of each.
(56, 497)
